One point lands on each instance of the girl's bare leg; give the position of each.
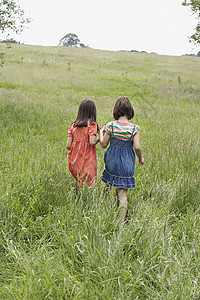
(106, 190)
(76, 187)
(122, 194)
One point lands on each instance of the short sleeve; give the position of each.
(92, 129)
(108, 128)
(137, 130)
(69, 133)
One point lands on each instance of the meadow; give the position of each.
(55, 244)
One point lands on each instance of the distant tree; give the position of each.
(190, 54)
(195, 8)
(12, 16)
(198, 54)
(69, 40)
(82, 45)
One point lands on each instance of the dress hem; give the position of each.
(118, 185)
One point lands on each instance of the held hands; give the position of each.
(104, 137)
(141, 162)
(101, 132)
(103, 129)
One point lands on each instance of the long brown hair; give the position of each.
(86, 111)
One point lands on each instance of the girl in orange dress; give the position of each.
(81, 143)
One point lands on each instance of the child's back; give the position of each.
(81, 143)
(120, 156)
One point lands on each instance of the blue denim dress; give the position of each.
(120, 163)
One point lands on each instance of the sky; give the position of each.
(161, 26)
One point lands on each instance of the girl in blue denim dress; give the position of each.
(120, 156)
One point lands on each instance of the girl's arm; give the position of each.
(137, 147)
(93, 140)
(104, 137)
(69, 142)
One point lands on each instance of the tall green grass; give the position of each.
(55, 244)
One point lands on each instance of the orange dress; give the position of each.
(82, 158)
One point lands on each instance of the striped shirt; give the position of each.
(121, 130)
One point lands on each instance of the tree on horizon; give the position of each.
(71, 40)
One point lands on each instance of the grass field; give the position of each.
(55, 245)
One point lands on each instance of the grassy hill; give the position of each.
(55, 245)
